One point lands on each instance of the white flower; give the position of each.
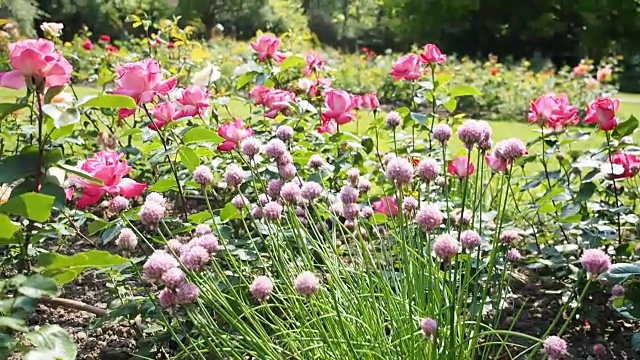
(206, 76)
(305, 84)
(245, 68)
(53, 29)
(223, 101)
(5, 193)
(62, 99)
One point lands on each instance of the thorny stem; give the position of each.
(433, 102)
(615, 188)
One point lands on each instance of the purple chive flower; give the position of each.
(429, 327)
(157, 264)
(595, 261)
(471, 133)
(239, 201)
(349, 194)
(284, 159)
(429, 217)
(364, 185)
(287, 171)
(257, 213)
(400, 171)
(174, 277)
(290, 192)
(234, 175)
(127, 240)
(510, 149)
(186, 294)
(166, 298)
(151, 214)
(350, 211)
(428, 170)
(315, 162)
(599, 350)
(352, 175)
(207, 241)
(409, 204)
(118, 204)
(617, 290)
(156, 198)
(261, 288)
(470, 239)
(462, 218)
(445, 247)
(250, 147)
(203, 176)
(194, 257)
(509, 236)
(442, 132)
(555, 347)
(275, 148)
(284, 133)
(366, 211)
(388, 157)
(311, 190)
(393, 119)
(513, 255)
(202, 229)
(306, 284)
(174, 246)
(274, 187)
(272, 211)
(264, 198)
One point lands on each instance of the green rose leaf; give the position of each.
(199, 134)
(108, 101)
(31, 205)
(51, 342)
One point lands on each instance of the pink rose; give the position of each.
(314, 63)
(386, 205)
(369, 101)
(194, 101)
(580, 70)
(108, 167)
(496, 164)
(277, 101)
(324, 84)
(458, 167)
(407, 67)
(328, 127)
(267, 47)
(432, 55)
(233, 133)
(163, 114)
(604, 74)
(630, 163)
(37, 60)
(602, 111)
(553, 111)
(258, 94)
(142, 80)
(338, 105)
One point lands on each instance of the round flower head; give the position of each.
(429, 217)
(428, 170)
(306, 284)
(337, 208)
(555, 347)
(364, 185)
(239, 202)
(617, 290)
(311, 190)
(510, 149)
(290, 192)
(118, 204)
(203, 175)
(350, 211)
(287, 171)
(349, 194)
(445, 247)
(234, 175)
(151, 214)
(156, 198)
(157, 264)
(166, 298)
(470, 239)
(352, 175)
(202, 229)
(186, 294)
(127, 240)
(429, 326)
(487, 132)
(471, 132)
(284, 159)
(599, 350)
(284, 132)
(409, 204)
(207, 241)
(315, 162)
(272, 211)
(462, 218)
(366, 211)
(257, 213)
(173, 278)
(513, 255)
(595, 261)
(174, 247)
(388, 157)
(261, 288)
(509, 236)
(194, 257)
(274, 187)
(275, 148)
(350, 224)
(393, 119)
(442, 132)
(250, 146)
(400, 171)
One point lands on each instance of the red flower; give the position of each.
(171, 45)
(458, 167)
(87, 45)
(365, 50)
(494, 71)
(630, 165)
(105, 38)
(602, 111)
(112, 49)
